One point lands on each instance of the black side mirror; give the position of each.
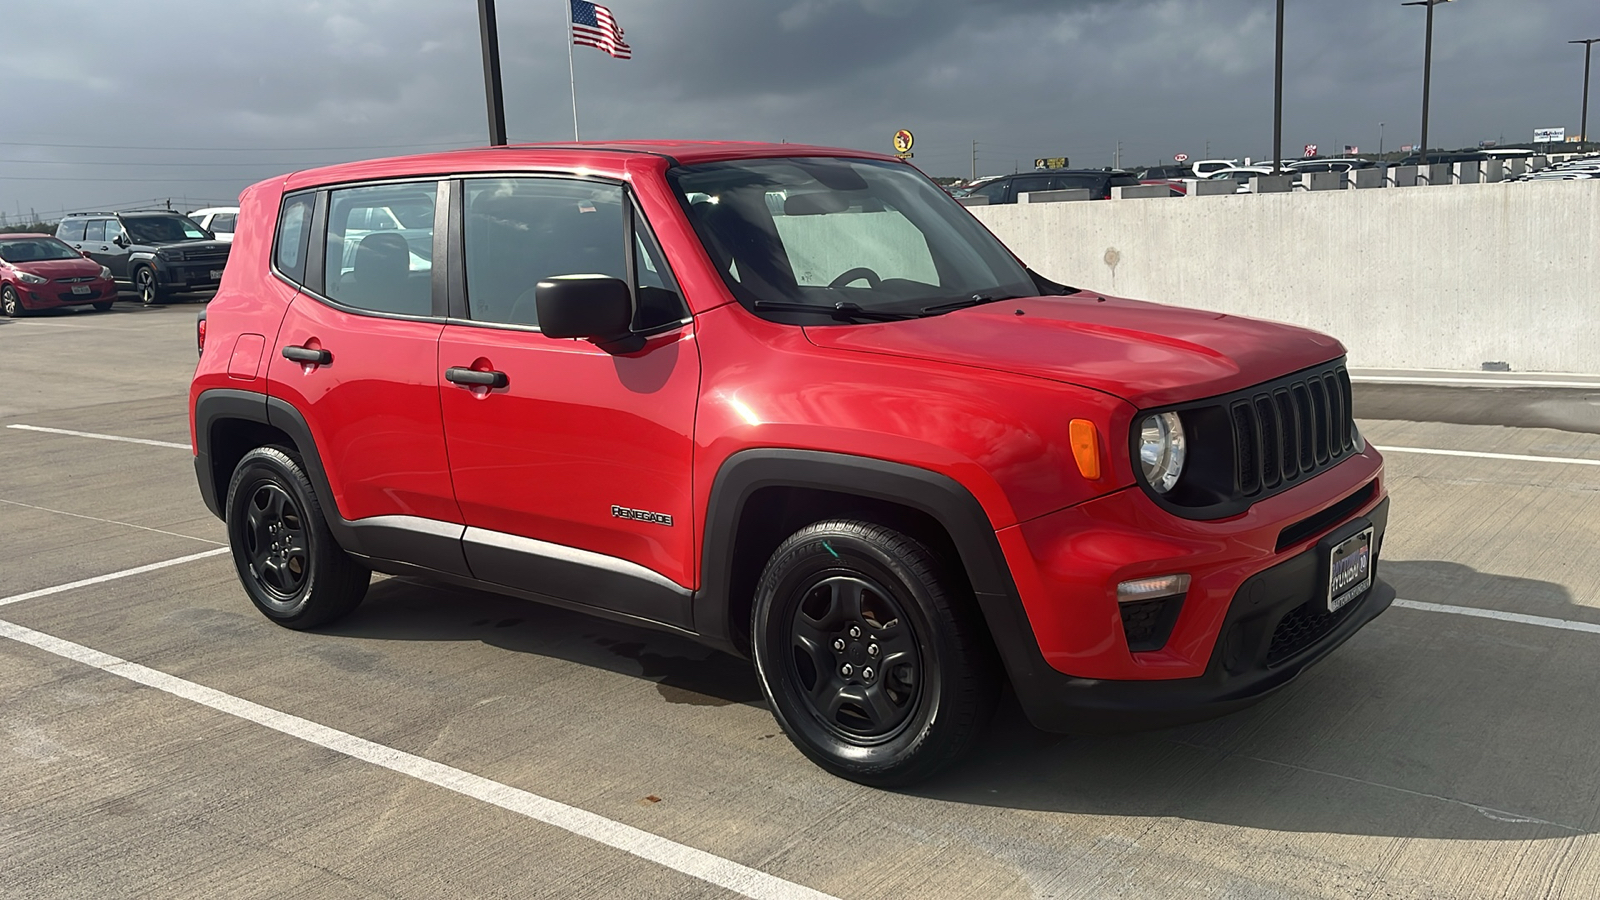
(120, 240)
(596, 308)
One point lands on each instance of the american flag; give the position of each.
(594, 26)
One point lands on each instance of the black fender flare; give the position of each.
(936, 495)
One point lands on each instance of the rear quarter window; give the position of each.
(293, 234)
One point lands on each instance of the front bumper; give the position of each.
(1274, 630)
(1065, 645)
(55, 295)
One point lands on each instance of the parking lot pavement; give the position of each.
(1435, 755)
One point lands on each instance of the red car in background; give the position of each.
(39, 272)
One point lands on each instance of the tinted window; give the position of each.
(994, 190)
(291, 236)
(375, 260)
(520, 231)
(21, 250)
(71, 230)
(223, 222)
(1030, 183)
(163, 229)
(96, 230)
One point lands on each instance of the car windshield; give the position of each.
(872, 235)
(36, 250)
(163, 229)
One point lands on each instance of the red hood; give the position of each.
(60, 268)
(1148, 354)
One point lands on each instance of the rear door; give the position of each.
(364, 334)
(574, 477)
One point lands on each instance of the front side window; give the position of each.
(520, 231)
(385, 269)
(874, 234)
(113, 229)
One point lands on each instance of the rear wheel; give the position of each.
(11, 304)
(290, 564)
(148, 286)
(872, 657)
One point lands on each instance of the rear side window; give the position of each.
(380, 248)
(293, 232)
(223, 222)
(96, 230)
(71, 230)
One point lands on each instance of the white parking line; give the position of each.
(62, 512)
(1514, 457)
(1519, 618)
(102, 579)
(690, 861)
(101, 437)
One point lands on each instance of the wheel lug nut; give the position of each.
(838, 644)
(847, 670)
(867, 673)
(855, 631)
(872, 650)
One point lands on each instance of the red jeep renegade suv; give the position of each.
(797, 404)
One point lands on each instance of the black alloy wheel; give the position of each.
(146, 284)
(871, 653)
(287, 559)
(11, 304)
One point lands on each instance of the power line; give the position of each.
(467, 142)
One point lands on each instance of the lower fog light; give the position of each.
(1150, 588)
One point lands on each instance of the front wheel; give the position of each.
(11, 304)
(287, 559)
(872, 657)
(148, 286)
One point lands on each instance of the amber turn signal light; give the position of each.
(1086, 448)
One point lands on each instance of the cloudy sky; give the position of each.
(194, 99)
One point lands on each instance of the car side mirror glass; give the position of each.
(596, 308)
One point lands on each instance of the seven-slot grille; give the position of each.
(1291, 429)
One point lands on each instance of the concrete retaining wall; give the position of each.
(1421, 278)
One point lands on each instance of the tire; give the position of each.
(287, 559)
(11, 304)
(148, 286)
(104, 307)
(923, 677)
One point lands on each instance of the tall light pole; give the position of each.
(1277, 101)
(1588, 49)
(490, 34)
(1427, 70)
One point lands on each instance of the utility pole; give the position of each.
(974, 161)
(1277, 102)
(1427, 72)
(489, 34)
(1380, 142)
(1588, 49)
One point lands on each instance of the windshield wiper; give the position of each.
(964, 302)
(844, 309)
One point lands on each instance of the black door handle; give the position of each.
(475, 378)
(308, 355)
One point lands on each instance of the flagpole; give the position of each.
(572, 72)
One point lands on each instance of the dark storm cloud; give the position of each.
(249, 87)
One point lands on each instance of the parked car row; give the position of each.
(154, 253)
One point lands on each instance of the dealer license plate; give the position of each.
(216, 274)
(81, 289)
(1349, 570)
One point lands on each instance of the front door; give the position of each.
(574, 477)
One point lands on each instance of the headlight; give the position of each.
(1162, 450)
(105, 272)
(30, 278)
